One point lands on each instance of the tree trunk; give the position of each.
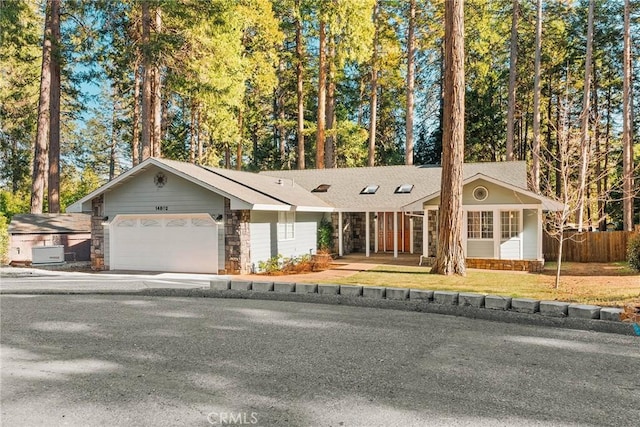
(192, 134)
(535, 168)
(239, 146)
(322, 94)
(282, 129)
(450, 254)
(559, 260)
(373, 106)
(147, 76)
(330, 146)
(135, 133)
(40, 155)
(299, 89)
(627, 125)
(53, 187)
(114, 137)
(411, 79)
(513, 67)
(157, 95)
(198, 134)
(598, 149)
(586, 110)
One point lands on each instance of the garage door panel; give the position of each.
(177, 243)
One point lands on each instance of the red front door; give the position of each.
(385, 232)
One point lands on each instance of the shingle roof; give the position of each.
(247, 188)
(347, 183)
(250, 187)
(50, 223)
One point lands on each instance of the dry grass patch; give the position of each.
(600, 284)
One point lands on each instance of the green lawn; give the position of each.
(608, 285)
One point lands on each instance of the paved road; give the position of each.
(29, 279)
(130, 360)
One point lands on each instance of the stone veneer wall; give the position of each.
(432, 230)
(417, 234)
(97, 234)
(354, 238)
(237, 240)
(532, 266)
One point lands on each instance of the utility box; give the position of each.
(47, 254)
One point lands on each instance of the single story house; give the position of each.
(71, 231)
(165, 215)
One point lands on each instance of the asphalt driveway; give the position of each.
(131, 360)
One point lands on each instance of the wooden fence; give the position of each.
(606, 246)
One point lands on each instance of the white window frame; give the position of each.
(486, 225)
(510, 224)
(286, 225)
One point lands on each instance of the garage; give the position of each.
(186, 243)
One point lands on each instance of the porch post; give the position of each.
(411, 234)
(497, 233)
(367, 234)
(395, 234)
(340, 244)
(425, 234)
(540, 225)
(375, 233)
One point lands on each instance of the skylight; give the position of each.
(404, 189)
(370, 189)
(322, 188)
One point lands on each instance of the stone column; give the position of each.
(97, 234)
(237, 240)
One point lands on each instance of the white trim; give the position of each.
(313, 209)
(540, 233)
(486, 191)
(395, 234)
(340, 243)
(411, 235)
(375, 233)
(367, 237)
(286, 222)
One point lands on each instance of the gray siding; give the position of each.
(264, 243)
(264, 236)
(140, 195)
(498, 195)
(480, 248)
(530, 234)
(510, 249)
(306, 235)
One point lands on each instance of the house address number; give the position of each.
(162, 208)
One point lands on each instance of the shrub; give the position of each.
(633, 252)
(4, 240)
(325, 235)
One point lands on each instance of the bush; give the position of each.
(279, 265)
(633, 252)
(325, 235)
(4, 240)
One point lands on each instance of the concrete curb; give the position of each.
(477, 306)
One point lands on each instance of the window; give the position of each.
(404, 189)
(286, 225)
(322, 188)
(370, 189)
(510, 221)
(480, 225)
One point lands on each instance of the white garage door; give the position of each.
(177, 243)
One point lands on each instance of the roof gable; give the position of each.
(244, 189)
